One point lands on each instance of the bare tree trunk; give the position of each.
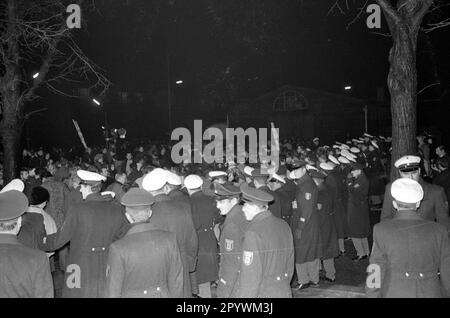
(404, 23)
(402, 83)
(10, 142)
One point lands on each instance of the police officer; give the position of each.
(260, 182)
(434, 206)
(90, 227)
(267, 262)
(146, 262)
(358, 211)
(205, 215)
(411, 254)
(173, 216)
(231, 237)
(306, 229)
(24, 272)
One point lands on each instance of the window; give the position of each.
(290, 101)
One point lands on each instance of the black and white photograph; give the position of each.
(225, 153)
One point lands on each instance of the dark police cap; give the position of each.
(223, 191)
(137, 197)
(297, 163)
(255, 196)
(317, 174)
(13, 204)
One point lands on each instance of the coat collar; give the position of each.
(98, 197)
(304, 179)
(407, 214)
(261, 216)
(161, 197)
(141, 227)
(9, 239)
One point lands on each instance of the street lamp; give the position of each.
(348, 87)
(35, 75)
(179, 82)
(96, 102)
(105, 127)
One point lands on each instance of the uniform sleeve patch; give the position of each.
(248, 258)
(319, 206)
(294, 204)
(229, 245)
(308, 196)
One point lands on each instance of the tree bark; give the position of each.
(404, 23)
(402, 84)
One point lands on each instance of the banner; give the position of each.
(80, 134)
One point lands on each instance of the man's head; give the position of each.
(440, 151)
(24, 174)
(39, 197)
(91, 182)
(193, 183)
(255, 201)
(407, 194)
(138, 205)
(443, 163)
(155, 182)
(121, 177)
(409, 167)
(13, 204)
(226, 195)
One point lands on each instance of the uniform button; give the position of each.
(285, 275)
(420, 274)
(407, 274)
(278, 278)
(93, 249)
(158, 288)
(145, 292)
(103, 248)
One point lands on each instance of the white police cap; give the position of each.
(90, 176)
(155, 179)
(327, 166)
(333, 159)
(173, 178)
(406, 190)
(15, 184)
(343, 160)
(408, 163)
(193, 181)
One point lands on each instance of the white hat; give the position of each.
(368, 135)
(173, 178)
(347, 154)
(216, 174)
(374, 143)
(333, 159)
(15, 184)
(336, 147)
(344, 147)
(193, 181)
(406, 190)
(111, 193)
(294, 174)
(310, 167)
(155, 180)
(408, 163)
(248, 170)
(317, 138)
(328, 166)
(343, 160)
(350, 158)
(355, 150)
(90, 176)
(277, 177)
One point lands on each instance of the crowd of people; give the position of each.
(125, 221)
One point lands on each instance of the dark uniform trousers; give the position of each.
(434, 206)
(231, 240)
(267, 259)
(146, 263)
(413, 258)
(24, 272)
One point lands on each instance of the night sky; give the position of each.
(304, 47)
